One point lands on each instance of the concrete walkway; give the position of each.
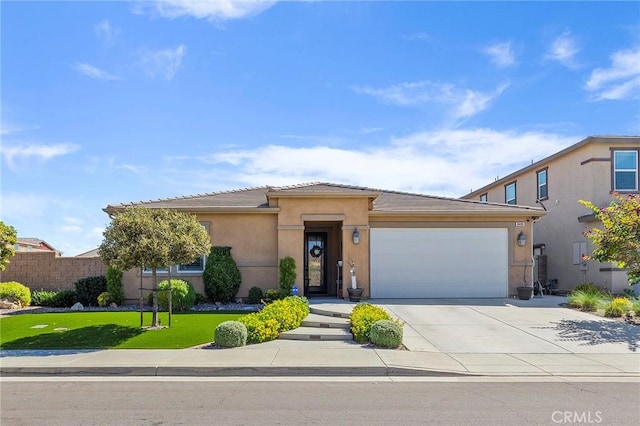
(497, 337)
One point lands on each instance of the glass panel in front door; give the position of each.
(315, 264)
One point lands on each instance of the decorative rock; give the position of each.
(77, 307)
(9, 304)
(113, 305)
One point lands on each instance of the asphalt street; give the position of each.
(147, 401)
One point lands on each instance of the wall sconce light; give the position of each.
(522, 239)
(356, 236)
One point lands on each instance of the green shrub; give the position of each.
(63, 299)
(104, 299)
(42, 297)
(221, 275)
(287, 276)
(386, 334)
(230, 334)
(183, 295)
(589, 288)
(114, 286)
(617, 307)
(16, 291)
(281, 315)
(585, 300)
(201, 299)
(635, 307)
(272, 294)
(363, 316)
(255, 295)
(89, 288)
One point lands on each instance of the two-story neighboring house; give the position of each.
(589, 170)
(34, 245)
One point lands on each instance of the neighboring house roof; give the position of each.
(384, 201)
(537, 165)
(90, 253)
(37, 244)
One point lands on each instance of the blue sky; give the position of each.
(110, 102)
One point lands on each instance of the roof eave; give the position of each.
(203, 209)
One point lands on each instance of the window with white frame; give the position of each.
(625, 170)
(510, 193)
(195, 266)
(543, 185)
(484, 198)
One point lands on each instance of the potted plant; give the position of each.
(355, 292)
(525, 292)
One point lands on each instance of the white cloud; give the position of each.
(501, 54)
(621, 80)
(70, 229)
(564, 49)
(164, 63)
(447, 162)
(93, 72)
(464, 102)
(218, 10)
(13, 154)
(106, 33)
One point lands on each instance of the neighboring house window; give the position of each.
(510, 193)
(625, 170)
(543, 186)
(484, 198)
(196, 266)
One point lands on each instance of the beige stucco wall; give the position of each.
(253, 242)
(353, 212)
(584, 173)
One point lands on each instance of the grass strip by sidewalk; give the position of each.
(108, 330)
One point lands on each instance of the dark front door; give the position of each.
(315, 263)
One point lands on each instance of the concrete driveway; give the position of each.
(537, 326)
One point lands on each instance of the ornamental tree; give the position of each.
(138, 237)
(8, 239)
(619, 239)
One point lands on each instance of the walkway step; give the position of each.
(323, 321)
(332, 310)
(312, 333)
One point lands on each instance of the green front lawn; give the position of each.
(108, 330)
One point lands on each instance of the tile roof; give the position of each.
(384, 201)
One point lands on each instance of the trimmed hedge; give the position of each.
(17, 291)
(363, 316)
(386, 334)
(53, 299)
(89, 288)
(221, 275)
(183, 295)
(114, 286)
(230, 334)
(281, 315)
(255, 295)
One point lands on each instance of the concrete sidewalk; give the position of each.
(296, 358)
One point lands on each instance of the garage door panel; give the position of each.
(426, 262)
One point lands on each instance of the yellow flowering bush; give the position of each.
(617, 307)
(281, 315)
(363, 316)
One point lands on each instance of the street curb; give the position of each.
(172, 371)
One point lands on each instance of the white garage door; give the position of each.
(440, 263)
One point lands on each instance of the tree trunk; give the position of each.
(154, 318)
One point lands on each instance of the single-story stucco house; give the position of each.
(402, 245)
